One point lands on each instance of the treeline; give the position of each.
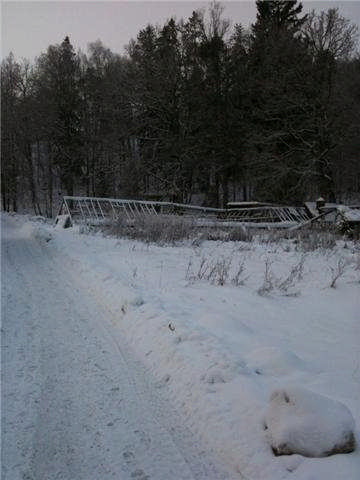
(194, 107)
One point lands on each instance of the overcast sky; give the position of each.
(28, 27)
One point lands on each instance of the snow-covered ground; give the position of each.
(75, 404)
(217, 339)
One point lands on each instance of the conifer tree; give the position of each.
(59, 85)
(10, 167)
(279, 63)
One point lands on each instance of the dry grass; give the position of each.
(169, 230)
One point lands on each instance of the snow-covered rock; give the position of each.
(303, 422)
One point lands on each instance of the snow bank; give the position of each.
(350, 214)
(303, 422)
(36, 231)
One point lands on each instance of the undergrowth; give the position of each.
(170, 230)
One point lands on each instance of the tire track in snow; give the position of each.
(83, 409)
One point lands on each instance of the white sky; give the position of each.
(28, 27)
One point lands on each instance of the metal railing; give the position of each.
(93, 209)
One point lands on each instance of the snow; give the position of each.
(302, 422)
(63, 221)
(350, 214)
(75, 405)
(228, 347)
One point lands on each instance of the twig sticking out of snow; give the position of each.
(295, 275)
(337, 271)
(238, 279)
(269, 279)
(282, 285)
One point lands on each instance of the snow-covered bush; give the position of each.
(299, 421)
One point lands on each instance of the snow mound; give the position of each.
(36, 232)
(38, 218)
(306, 423)
(41, 234)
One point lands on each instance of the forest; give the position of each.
(195, 111)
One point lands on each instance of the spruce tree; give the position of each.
(279, 66)
(59, 82)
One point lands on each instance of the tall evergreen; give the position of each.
(59, 83)
(279, 65)
(10, 167)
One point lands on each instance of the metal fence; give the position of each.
(99, 210)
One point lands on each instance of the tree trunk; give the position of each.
(225, 189)
(34, 200)
(50, 184)
(69, 185)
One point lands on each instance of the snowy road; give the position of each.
(74, 404)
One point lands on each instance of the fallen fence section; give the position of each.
(313, 219)
(91, 210)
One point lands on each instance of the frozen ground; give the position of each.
(93, 310)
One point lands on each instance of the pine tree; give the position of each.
(279, 66)
(59, 77)
(10, 164)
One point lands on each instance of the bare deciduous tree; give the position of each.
(330, 32)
